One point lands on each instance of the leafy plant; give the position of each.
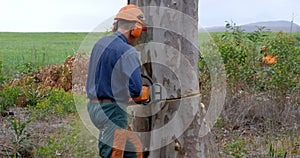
(279, 153)
(258, 35)
(26, 68)
(240, 52)
(237, 149)
(21, 94)
(220, 122)
(20, 146)
(32, 94)
(271, 151)
(57, 102)
(9, 95)
(283, 76)
(42, 109)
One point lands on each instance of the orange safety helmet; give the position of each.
(132, 13)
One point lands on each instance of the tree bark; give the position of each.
(169, 53)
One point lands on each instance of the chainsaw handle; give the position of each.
(148, 78)
(148, 91)
(152, 92)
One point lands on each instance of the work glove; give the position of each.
(144, 97)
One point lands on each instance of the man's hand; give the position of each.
(145, 96)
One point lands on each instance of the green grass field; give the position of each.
(41, 49)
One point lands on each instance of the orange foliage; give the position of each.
(269, 59)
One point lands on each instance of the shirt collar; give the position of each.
(120, 35)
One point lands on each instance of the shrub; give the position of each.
(22, 94)
(9, 95)
(44, 101)
(57, 102)
(26, 68)
(240, 52)
(282, 76)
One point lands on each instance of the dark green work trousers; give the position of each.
(108, 117)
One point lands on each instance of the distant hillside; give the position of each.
(273, 26)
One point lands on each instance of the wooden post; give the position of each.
(169, 51)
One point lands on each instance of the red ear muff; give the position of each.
(145, 28)
(137, 30)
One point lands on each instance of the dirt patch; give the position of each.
(253, 123)
(39, 130)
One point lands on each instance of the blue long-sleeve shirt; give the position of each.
(114, 70)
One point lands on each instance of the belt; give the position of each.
(97, 101)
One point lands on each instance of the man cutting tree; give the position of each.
(113, 79)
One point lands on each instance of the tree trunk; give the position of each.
(169, 53)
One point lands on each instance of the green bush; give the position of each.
(297, 37)
(21, 94)
(282, 76)
(240, 52)
(57, 102)
(26, 68)
(43, 101)
(9, 95)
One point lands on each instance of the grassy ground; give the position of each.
(40, 49)
(52, 136)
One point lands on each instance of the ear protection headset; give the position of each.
(137, 30)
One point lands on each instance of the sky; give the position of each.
(86, 15)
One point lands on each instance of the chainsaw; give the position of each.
(152, 92)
